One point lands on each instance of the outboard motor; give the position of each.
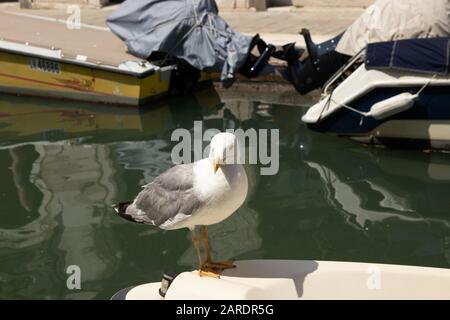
(185, 77)
(254, 65)
(323, 62)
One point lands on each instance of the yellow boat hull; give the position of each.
(28, 75)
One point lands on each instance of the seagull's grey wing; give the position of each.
(170, 194)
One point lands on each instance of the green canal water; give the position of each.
(62, 166)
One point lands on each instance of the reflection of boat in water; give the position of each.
(27, 119)
(24, 119)
(364, 191)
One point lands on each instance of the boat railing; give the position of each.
(343, 72)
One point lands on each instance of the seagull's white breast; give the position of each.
(221, 193)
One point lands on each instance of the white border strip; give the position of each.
(32, 16)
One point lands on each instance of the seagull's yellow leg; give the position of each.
(197, 248)
(203, 270)
(220, 266)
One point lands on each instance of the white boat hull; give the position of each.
(349, 110)
(311, 280)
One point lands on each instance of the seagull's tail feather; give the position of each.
(121, 210)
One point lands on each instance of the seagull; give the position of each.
(201, 193)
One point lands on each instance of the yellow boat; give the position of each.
(87, 64)
(30, 70)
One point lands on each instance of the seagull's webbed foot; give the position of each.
(209, 272)
(214, 269)
(222, 265)
(209, 268)
(209, 263)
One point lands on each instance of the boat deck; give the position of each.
(98, 44)
(41, 56)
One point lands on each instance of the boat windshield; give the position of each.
(344, 72)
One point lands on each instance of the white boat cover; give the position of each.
(388, 20)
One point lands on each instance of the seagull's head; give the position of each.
(224, 150)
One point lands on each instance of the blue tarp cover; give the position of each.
(188, 29)
(430, 55)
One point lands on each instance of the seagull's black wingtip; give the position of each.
(121, 209)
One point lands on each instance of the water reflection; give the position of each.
(394, 200)
(367, 193)
(74, 183)
(63, 165)
(234, 237)
(151, 157)
(391, 196)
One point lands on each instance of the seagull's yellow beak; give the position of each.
(216, 165)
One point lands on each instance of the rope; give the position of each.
(365, 114)
(426, 85)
